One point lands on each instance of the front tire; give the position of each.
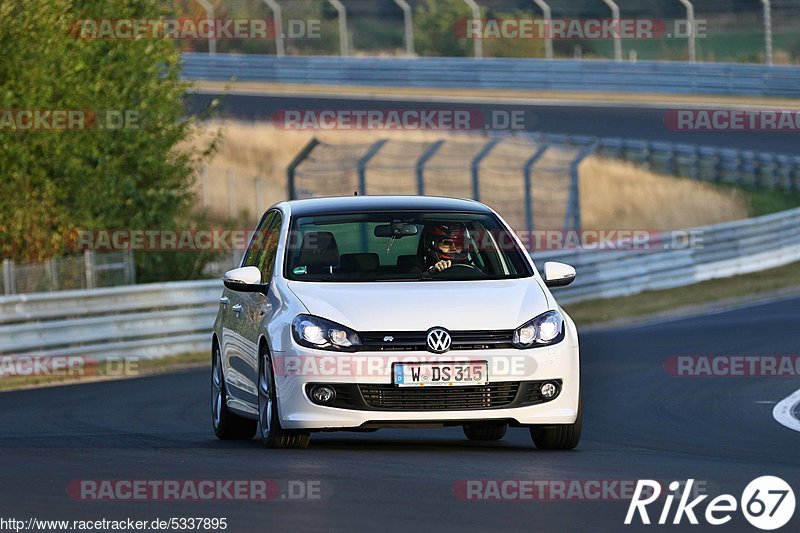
(560, 437)
(485, 431)
(227, 426)
(272, 434)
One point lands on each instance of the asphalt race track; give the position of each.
(639, 423)
(633, 121)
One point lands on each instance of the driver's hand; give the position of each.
(441, 265)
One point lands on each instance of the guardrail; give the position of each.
(169, 318)
(707, 163)
(501, 73)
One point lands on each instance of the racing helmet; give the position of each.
(446, 242)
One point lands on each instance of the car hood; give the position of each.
(418, 306)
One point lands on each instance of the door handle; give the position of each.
(237, 308)
(224, 301)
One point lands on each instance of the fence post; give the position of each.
(231, 198)
(476, 164)
(529, 164)
(574, 206)
(259, 195)
(430, 152)
(131, 270)
(292, 169)
(52, 272)
(206, 192)
(9, 284)
(88, 267)
(362, 165)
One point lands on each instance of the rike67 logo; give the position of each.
(767, 502)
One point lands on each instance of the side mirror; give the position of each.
(245, 279)
(558, 274)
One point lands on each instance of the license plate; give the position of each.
(440, 374)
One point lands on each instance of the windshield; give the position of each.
(402, 246)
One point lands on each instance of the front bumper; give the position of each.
(372, 371)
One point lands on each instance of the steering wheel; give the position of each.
(464, 267)
(461, 266)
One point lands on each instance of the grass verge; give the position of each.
(706, 292)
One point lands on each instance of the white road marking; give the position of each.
(784, 411)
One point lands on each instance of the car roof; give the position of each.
(355, 204)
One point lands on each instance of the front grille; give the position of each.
(416, 340)
(384, 397)
(439, 398)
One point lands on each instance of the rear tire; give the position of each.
(227, 426)
(485, 431)
(272, 434)
(560, 437)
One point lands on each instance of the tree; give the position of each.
(100, 175)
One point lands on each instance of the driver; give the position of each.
(445, 247)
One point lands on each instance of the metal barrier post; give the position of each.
(364, 161)
(408, 26)
(291, 170)
(476, 163)
(548, 36)
(423, 159)
(344, 47)
(212, 39)
(529, 164)
(767, 32)
(692, 34)
(617, 37)
(476, 14)
(276, 12)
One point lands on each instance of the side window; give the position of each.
(265, 246)
(251, 255)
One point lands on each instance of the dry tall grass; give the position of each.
(248, 174)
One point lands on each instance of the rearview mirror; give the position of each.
(396, 230)
(558, 274)
(245, 279)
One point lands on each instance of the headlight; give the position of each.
(545, 329)
(316, 332)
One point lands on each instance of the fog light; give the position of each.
(322, 394)
(548, 390)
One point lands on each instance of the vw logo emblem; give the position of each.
(438, 340)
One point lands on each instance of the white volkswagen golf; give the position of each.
(368, 312)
